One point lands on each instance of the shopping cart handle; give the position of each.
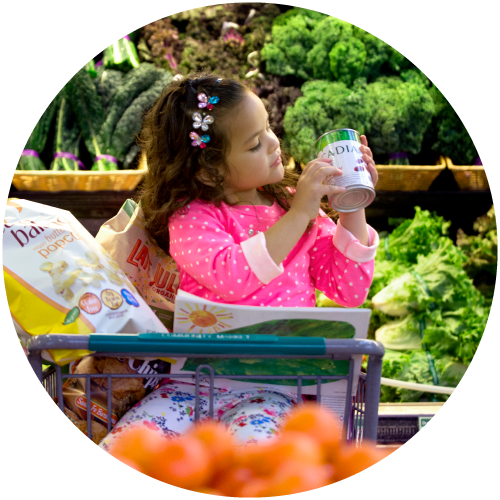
(193, 343)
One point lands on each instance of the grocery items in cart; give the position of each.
(59, 279)
(149, 268)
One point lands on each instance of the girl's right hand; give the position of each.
(312, 186)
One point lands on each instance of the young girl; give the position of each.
(243, 230)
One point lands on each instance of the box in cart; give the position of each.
(201, 317)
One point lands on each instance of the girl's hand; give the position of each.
(311, 186)
(368, 159)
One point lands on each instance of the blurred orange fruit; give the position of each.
(137, 445)
(353, 459)
(291, 477)
(217, 441)
(291, 446)
(128, 461)
(317, 422)
(183, 462)
(231, 481)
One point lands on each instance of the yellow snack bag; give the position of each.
(60, 280)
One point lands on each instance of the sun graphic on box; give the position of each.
(211, 320)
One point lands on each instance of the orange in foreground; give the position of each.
(308, 454)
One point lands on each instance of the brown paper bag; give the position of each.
(151, 270)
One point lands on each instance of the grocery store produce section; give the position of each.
(435, 268)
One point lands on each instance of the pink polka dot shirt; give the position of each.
(222, 256)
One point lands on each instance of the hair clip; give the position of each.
(204, 121)
(206, 102)
(199, 121)
(199, 141)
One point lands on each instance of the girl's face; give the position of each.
(254, 158)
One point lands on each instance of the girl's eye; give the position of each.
(258, 145)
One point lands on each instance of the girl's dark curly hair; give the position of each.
(172, 180)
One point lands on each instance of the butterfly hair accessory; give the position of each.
(199, 121)
(199, 141)
(202, 120)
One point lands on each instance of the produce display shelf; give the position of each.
(470, 177)
(85, 181)
(406, 177)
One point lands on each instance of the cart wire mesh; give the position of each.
(360, 415)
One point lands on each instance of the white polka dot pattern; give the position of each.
(234, 269)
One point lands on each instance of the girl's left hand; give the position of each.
(368, 159)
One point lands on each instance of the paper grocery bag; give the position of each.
(149, 268)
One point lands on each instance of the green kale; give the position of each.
(38, 138)
(324, 106)
(447, 134)
(129, 125)
(291, 41)
(400, 114)
(347, 60)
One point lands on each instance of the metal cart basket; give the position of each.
(361, 411)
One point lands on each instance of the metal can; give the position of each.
(343, 146)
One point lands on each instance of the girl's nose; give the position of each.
(274, 143)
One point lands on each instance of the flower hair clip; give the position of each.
(206, 102)
(199, 141)
(202, 120)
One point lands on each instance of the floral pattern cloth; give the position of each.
(249, 415)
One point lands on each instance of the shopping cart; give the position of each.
(361, 411)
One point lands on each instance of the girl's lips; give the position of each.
(278, 161)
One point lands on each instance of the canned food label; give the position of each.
(348, 158)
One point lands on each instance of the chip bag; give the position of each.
(59, 280)
(148, 267)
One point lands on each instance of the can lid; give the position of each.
(340, 134)
(354, 198)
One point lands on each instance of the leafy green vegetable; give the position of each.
(113, 133)
(324, 106)
(413, 237)
(134, 83)
(291, 42)
(86, 104)
(38, 138)
(67, 139)
(401, 334)
(130, 123)
(107, 82)
(457, 332)
(437, 280)
(310, 45)
(121, 55)
(400, 113)
(413, 366)
(481, 250)
(347, 60)
(447, 134)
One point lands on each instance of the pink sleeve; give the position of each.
(203, 248)
(340, 265)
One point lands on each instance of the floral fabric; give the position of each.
(249, 415)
